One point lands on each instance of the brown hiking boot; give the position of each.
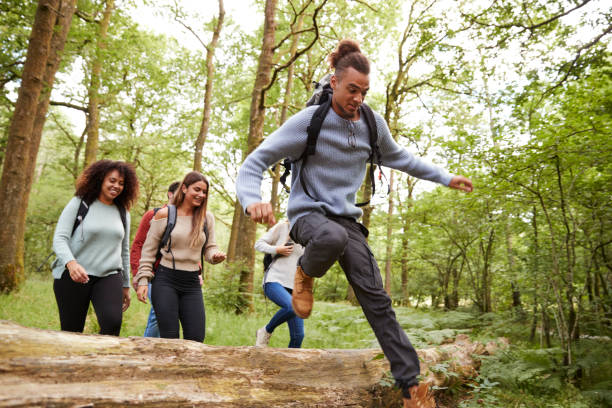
(301, 298)
(420, 397)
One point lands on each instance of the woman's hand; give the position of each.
(284, 250)
(77, 272)
(142, 293)
(218, 257)
(126, 298)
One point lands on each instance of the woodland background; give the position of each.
(515, 94)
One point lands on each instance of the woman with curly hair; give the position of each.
(175, 287)
(91, 242)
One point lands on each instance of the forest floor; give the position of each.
(524, 375)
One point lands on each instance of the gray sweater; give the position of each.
(337, 169)
(100, 244)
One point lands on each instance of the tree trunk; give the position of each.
(210, 76)
(93, 108)
(274, 198)
(389, 252)
(58, 40)
(245, 252)
(61, 369)
(231, 245)
(366, 195)
(17, 154)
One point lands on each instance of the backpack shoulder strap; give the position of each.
(123, 215)
(371, 122)
(374, 159)
(311, 143)
(314, 128)
(165, 240)
(81, 213)
(205, 229)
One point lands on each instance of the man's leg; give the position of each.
(324, 241)
(363, 274)
(152, 330)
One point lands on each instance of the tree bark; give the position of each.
(58, 40)
(389, 251)
(61, 369)
(17, 154)
(210, 76)
(245, 253)
(274, 199)
(93, 108)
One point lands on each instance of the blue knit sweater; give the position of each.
(100, 244)
(337, 169)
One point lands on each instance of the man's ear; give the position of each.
(333, 82)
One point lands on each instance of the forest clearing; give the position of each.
(516, 95)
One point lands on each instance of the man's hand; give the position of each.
(142, 293)
(461, 183)
(126, 298)
(261, 213)
(77, 272)
(284, 250)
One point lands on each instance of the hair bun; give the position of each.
(344, 48)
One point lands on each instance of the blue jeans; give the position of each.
(152, 329)
(282, 297)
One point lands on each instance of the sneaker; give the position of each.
(262, 337)
(420, 397)
(302, 299)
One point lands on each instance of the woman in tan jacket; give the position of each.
(175, 287)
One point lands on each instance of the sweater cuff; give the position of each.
(446, 179)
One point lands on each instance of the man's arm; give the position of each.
(396, 157)
(139, 239)
(287, 141)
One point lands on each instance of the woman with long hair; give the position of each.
(91, 242)
(175, 287)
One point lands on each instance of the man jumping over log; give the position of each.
(322, 209)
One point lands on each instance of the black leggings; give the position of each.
(106, 295)
(177, 295)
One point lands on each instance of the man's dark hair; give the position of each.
(173, 187)
(348, 55)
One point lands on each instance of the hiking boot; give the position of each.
(420, 397)
(262, 337)
(301, 298)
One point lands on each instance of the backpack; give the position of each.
(166, 239)
(267, 261)
(322, 97)
(84, 209)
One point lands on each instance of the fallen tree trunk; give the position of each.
(60, 369)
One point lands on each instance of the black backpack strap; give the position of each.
(166, 240)
(205, 229)
(374, 159)
(122, 214)
(81, 213)
(283, 178)
(311, 143)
